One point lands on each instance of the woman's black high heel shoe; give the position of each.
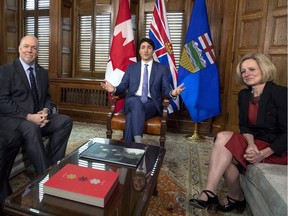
(238, 206)
(209, 204)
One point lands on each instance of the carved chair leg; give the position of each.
(123, 138)
(162, 141)
(109, 134)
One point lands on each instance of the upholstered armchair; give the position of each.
(154, 126)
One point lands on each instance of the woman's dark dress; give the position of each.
(238, 144)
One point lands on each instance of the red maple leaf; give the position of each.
(119, 54)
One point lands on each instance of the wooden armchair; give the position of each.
(154, 126)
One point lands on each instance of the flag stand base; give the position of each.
(195, 136)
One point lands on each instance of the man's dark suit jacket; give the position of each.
(158, 83)
(271, 123)
(16, 99)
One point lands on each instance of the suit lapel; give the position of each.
(138, 74)
(246, 101)
(22, 74)
(153, 74)
(263, 104)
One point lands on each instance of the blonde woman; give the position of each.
(263, 134)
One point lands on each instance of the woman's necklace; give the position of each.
(255, 98)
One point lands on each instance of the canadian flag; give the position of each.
(122, 52)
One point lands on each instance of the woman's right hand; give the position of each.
(251, 148)
(254, 157)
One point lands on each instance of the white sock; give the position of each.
(138, 139)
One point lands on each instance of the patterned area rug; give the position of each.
(170, 199)
(183, 173)
(185, 169)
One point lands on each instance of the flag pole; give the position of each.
(195, 136)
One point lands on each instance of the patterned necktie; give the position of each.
(144, 95)
(34, 90)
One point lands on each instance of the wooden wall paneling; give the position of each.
(54, 93)
(188, 5)
(66, 52)
(134, 9)
(280, 61)
(12, 30)
(80, 7)
(215, 15)
(114, 11)
(276, 38)
(9, 30)
(249, 36)
(55, 46)
(226, 56)
(140, 23)
(75, 11)
(261, 25)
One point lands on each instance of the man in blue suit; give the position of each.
(26, 107)
(138, 107)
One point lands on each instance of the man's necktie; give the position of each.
(34, 90)
(144, 95)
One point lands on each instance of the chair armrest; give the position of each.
(114, 99)
(110, 115)
(165, 108)
(54, 108)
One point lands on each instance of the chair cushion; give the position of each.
(152, 125)
(265, 186)
(118, 121)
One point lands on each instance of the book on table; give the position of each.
(83, 184)
(123, 155)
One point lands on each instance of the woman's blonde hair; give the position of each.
(267, 68)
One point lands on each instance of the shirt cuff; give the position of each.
(173, 97)
(48, 110)
(112, 93)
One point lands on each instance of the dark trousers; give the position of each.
(58, 130)
(10, 142)
(136, 113)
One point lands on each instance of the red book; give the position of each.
(83, 184)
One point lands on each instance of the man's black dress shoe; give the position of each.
(210, 204)
(238, 206)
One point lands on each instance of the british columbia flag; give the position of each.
(159, 34)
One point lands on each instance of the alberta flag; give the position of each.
(122, 52)
(159, 34)
(198, 70)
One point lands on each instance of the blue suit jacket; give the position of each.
(16, 99)
(158, 84)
